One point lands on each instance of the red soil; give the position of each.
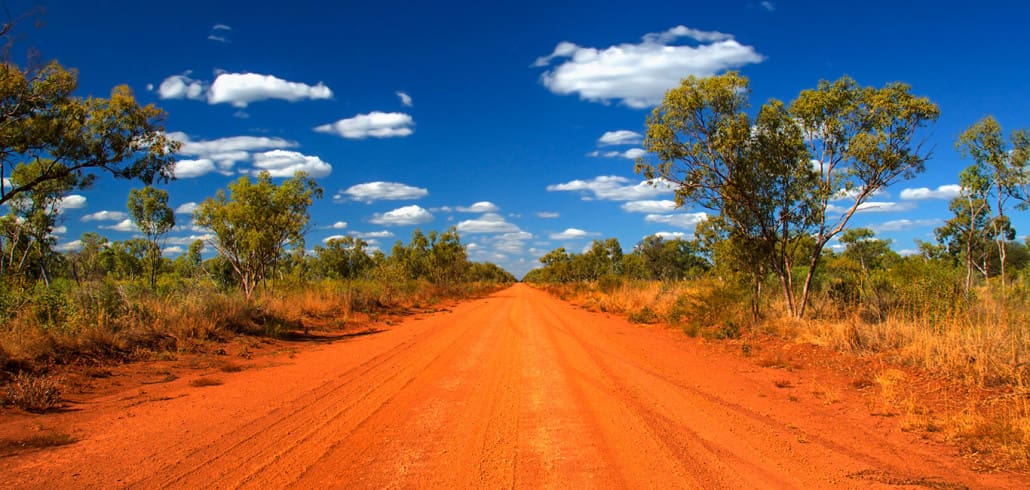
(515, 390)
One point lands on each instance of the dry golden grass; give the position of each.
(983, 344)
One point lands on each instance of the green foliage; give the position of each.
(256, 223)
(68, 139)
(716, 311)
(150, 210)
(757, 173)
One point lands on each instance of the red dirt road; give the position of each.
(514, 390)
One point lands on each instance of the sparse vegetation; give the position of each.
(33, 392)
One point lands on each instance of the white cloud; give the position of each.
(680, 220)
(69, 247)
(767, 5)
(188, 169)
(904, 224)
(339, 225)
(663, 206)
(630, 154)
(638, 75)
(219, 33)
(123, 225)
(60, 230)
(614, 188)
(187, 240)
(284, 163)
(572, 234)
(488, 223)
(373, 234)
(73, 201)
(220, 155)
(105, 216)
(181, 87)
(407, 215)
(240, 89)
(620, 137)
(376, 191)
(511, 243)
(333, 237)
(479, 207)
(172, 251)
(671, 235)
(186, 208)
(405, 98)
(548, 215)
(376, 125)
(234, 147)
(950, 191)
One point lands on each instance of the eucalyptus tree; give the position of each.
(775, 177)
(257, 222)
(27, 232)
(150, 210)
(1001, 172)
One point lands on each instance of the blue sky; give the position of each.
(492, 117)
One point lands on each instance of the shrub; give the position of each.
(33, 393)
(644, 315)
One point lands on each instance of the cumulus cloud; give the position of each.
(284, 163)
(123, 225)
(182, 87)
(620, 137)
(511, 243)
(638, 75)
(172, 251)
(333, 237)
(105, 216)
(366, 235)
(548, 215)
(222, 154)
(375, 124)
(236, 147)
(949, 191)
(186, 208)
(339, 225)
(479, 207)
(488, 223)
(904, 224)
(680, 220)
(671, 235)
(69, 247)
(663, 206)
(240, 89)
(405, 98)
(572, 234)
(73, 201)
(407, 215)
(614, 188)
(187, 240)
(188, 169)
(381, 191)
(630, 154)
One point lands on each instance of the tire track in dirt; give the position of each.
(517, 390)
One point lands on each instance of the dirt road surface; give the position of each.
(516, 390)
